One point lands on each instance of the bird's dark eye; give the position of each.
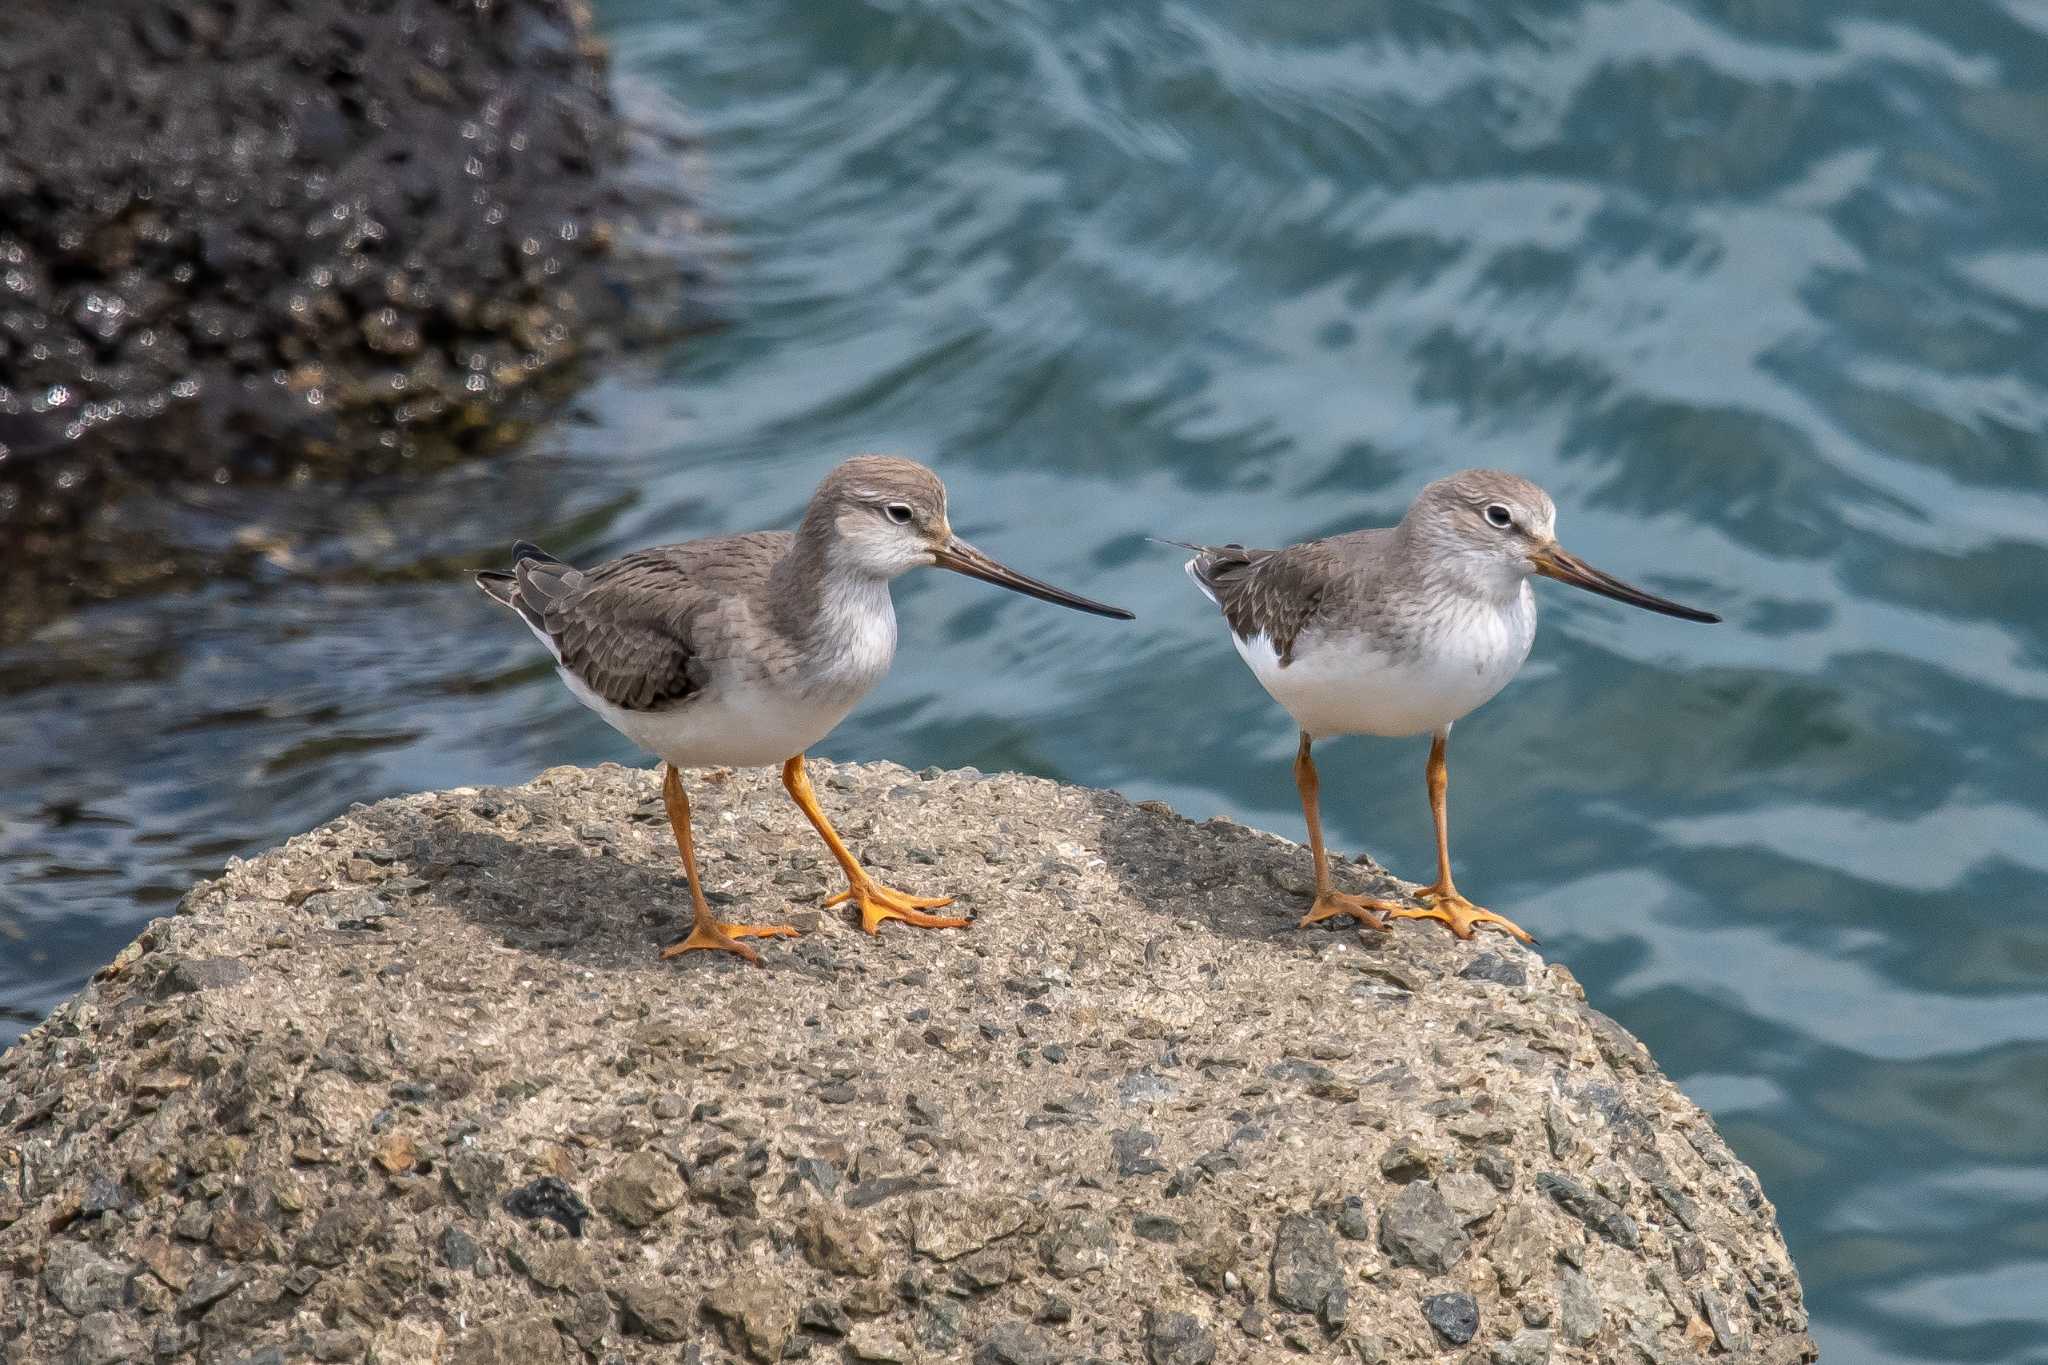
(1497, 514)
(898, 512)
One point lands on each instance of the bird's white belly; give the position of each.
(1338, 685)
(745, 727)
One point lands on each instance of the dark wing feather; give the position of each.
(624, 628)
(1274, 593)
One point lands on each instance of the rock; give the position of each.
(1495, 968)
(200, 974)
(1132, 1150)
(939, 1326)
(840, 1245)
(1015, 1343)
(875, 1341)
(538, 1053)
(1076, 1243)
(1418, 1228)
(1470, 1196)
(339, 1233)
(1211, 1260)
(1306, 1274)
(1600, 1214)
(643, 1188)
(1578, 1307)
(209, 1288)
(549, 1197)
(1177, 1339)
(399, 223)
(1530, 1346)
(1154, 1227)
(1455, 1317)
(1404, 1162)
(753, 1316)
(1519, 1248)
(654, 1308)
(106, 1338)
(459, 1250)
(562, 1266)
(983, 1271)
(525, 1339)
(82, 1280)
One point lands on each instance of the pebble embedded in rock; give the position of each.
(753, 1315)
(1177, 1339)
(549, 1197)
(1418, 1228)
(1469, 1195)
(1493, 967)
(643, 1188)
(1520, 1247)
(1404, 1163)
(652, 1307)
(1077, 1243)
(200, 974)
(823, 1315)
(1132, 1149)
(1454, 1316)
(340, 1233)
(840, 1244)
(1155, 1228)
(1530, 1346)
(1578, 1307)
(984, 1271)
(458, 1249)
(105, 1338)
(1354, 1223)
(1306, 1274)
(1015, 1343)
(81, 1279)
(1596, 1212)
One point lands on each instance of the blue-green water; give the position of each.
(1758, 289)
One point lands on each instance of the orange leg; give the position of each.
(705, 932)
(1441, 900)
(1329, 901)
(876, 901)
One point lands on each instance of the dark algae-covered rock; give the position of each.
(539, 1143)
(248, 240)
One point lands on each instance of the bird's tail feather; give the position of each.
(537, 578)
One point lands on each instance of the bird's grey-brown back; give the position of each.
(659, 626)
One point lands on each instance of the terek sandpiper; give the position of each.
(1402, 631)
(745, 650)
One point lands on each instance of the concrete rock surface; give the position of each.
(456, 1110)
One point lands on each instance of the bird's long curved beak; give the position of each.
(957, 555)
(1554, 561)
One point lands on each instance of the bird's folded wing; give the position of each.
(1270, 593)
(627, 631)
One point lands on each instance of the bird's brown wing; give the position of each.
(1274, 593)
(638, 630)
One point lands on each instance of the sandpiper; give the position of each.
(1402, 631)
(745, 650)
